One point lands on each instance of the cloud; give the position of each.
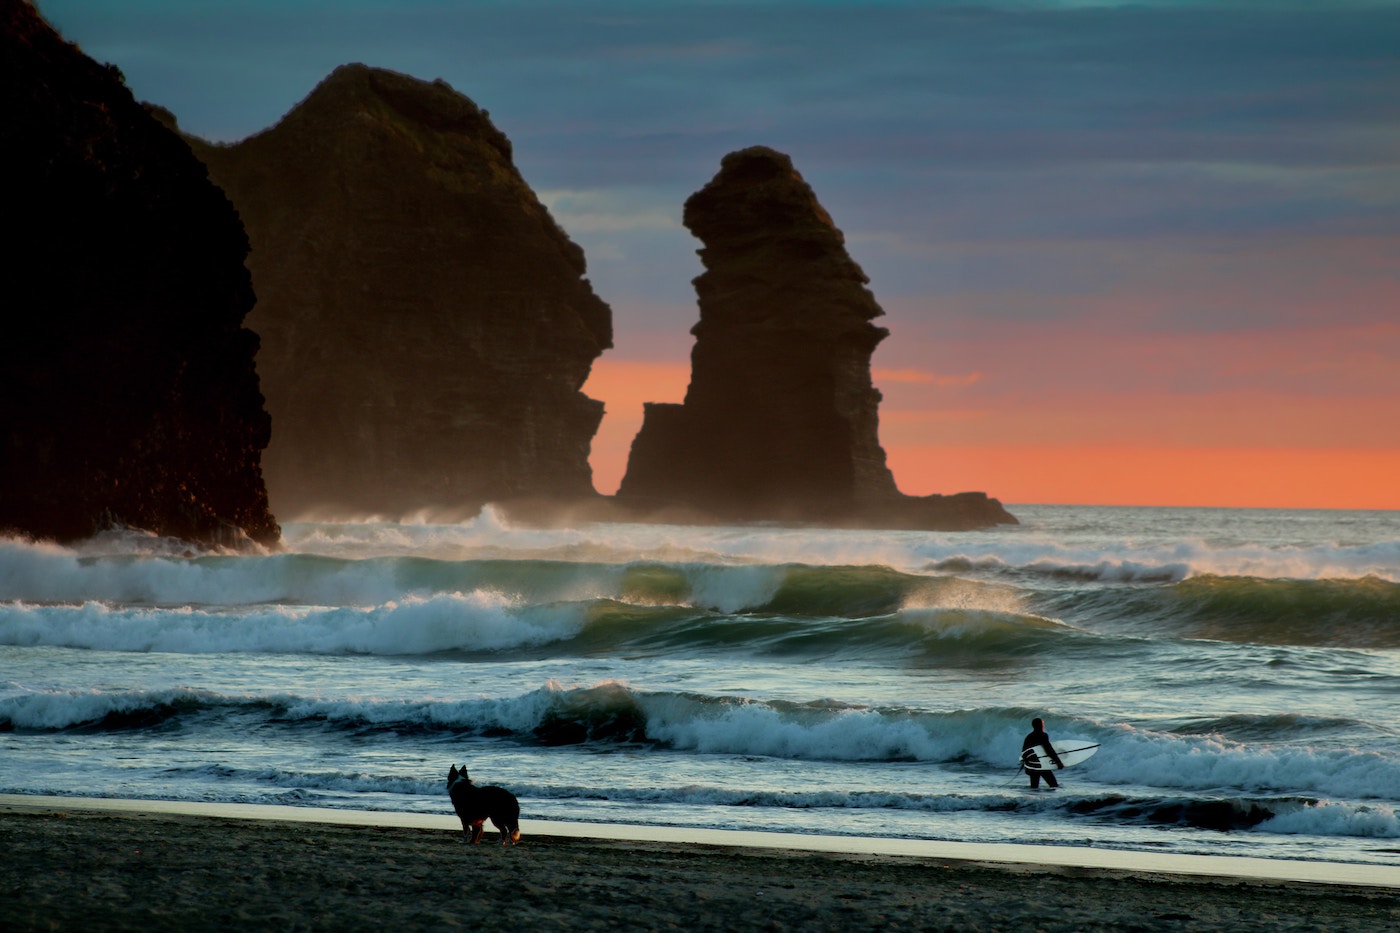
(611, 210)
(923, 377)
(1084, 220)
(1162, 286)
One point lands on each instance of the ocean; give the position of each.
(1240, 670)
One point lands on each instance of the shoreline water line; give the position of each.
(1006, 854)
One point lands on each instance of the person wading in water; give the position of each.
(1038, 736)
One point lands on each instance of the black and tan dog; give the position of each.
(475, 805)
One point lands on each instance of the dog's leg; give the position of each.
(476, 832)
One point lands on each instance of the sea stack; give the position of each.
(427, 327)
(781, 420)
(128, 394)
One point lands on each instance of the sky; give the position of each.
(1129, 253)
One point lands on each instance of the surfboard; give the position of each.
(1036, 758)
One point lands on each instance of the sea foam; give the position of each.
(477, 621)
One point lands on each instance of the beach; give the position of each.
(690, 716)
(69, 868)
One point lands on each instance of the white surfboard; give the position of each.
(1037, 758)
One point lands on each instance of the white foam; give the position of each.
(45, 573)
(752, 728)
(1101, 556)
(730, 569)
(1331, 818)
(476, 621)
(733, 589)
(60, 709)
(35, 708)
(1212, 763)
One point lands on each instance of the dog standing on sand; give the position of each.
(475, 805)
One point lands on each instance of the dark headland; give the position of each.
(426, 327)
(781, 420)
(128, 394)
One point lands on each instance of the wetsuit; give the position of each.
(1040, 737)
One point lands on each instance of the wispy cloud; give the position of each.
(924, 377)
(1059, 203)
(611, 210)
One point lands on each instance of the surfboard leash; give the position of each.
(1017, 776)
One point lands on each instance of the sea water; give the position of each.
(1240, 670)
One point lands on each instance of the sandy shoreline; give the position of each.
(1060, 856)
(64, 867)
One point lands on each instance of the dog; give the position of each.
(475, 805)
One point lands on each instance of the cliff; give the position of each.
(128, 394)
(781, 420)
(426, 326)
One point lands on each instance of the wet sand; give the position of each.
(65, 868)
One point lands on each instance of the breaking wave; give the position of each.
(1220, 785)
(980, 741)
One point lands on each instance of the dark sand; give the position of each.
(73, 869)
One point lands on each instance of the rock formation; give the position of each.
(780, 421)
(127, 393)
(426, 326)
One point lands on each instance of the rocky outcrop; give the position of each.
(780, 421)
(426, 326)
(127, 391)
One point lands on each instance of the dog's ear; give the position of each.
(452, 773)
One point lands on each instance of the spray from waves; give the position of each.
(479, 621)
(490, 535)
(484, 622)
(39, 573)
(1171, 563)
(409, 605)
(1167, 595)
(49, 574)
(1104, 553)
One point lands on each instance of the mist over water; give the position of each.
(1238, 668)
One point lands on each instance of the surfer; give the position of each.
(1038, 736)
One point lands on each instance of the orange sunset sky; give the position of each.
(1135, 252)
(1294, 405)
(1215, 450)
